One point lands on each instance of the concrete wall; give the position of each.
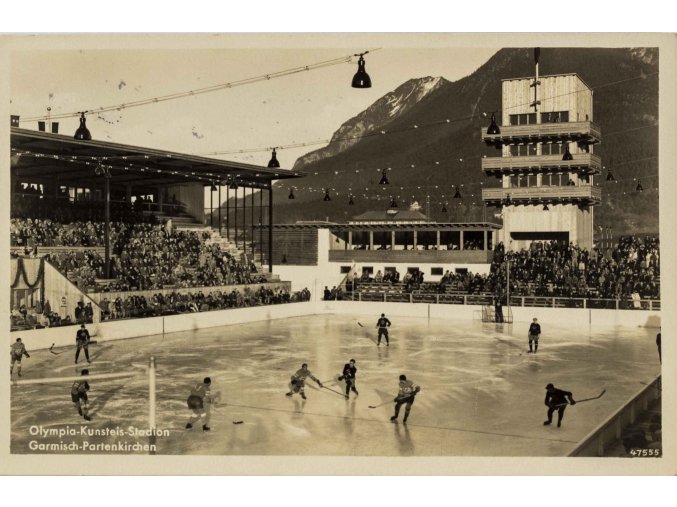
(133, 328)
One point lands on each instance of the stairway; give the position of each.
(229, 247)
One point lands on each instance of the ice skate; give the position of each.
(189, 426)
(205, 428)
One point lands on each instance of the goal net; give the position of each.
(47, 414)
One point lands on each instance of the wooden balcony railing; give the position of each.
(581, 131)
(585, 162)
(520, 195)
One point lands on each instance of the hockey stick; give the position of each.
(593, 398)
(330, 389)
(381, 404)
(584, 399)
(359, 324)
(55, 353)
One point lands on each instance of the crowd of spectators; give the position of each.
(30, 203)
(630, 269)
(135, 306)
(33, 232)
(147, 256)
(554, 269)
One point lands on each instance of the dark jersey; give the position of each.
(17, 350)
(79, 388)
(383, 323)
(349, 372)
(535, 328)
(557, 397)
(82, 335)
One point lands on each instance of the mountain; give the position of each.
(380, 113)
(432, 142)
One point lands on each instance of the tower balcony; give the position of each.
(587, 163)
(578, 131)
(584, 195)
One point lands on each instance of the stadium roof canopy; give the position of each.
(42, 156)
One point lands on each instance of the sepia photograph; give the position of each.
(316, 253)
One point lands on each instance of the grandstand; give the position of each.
(80, 228)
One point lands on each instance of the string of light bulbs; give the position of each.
(200, 91)
(444, 121)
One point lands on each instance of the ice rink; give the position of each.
(482, 394)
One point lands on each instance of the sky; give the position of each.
(301, 108)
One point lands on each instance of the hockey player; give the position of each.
(298, 381)
(82, 341)
(199, 402)
(16, 352)
(383, 324)
(556, 399)
(79, 395)
(407, 394)
(534, 335)
(349, 373)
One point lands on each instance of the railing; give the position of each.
(494, 164)
(543, 193)
(569, 130)
(395, 256)
(515, 301)
(610, 431)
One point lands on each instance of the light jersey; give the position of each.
(535, 329)
(383, 322)
(201, 390)
(79, 386)
(407, 388)
(18, 349)
(301, 375)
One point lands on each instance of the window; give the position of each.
(523, 119)
(368, 269)
(532, 180)
(345, 270)
(412, 270)
(461, 271)
(522, 150)
(552, 149)
(436, 271)
(555, 117)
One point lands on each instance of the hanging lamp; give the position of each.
(273, 160)
(361, 79)
(493, 128)
(82, 133)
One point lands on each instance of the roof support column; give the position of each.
(438, 239)
(106, 230)
(371, 240)
(261, 225)
(228, 212)
(270, 227)
(235, 218)
(252, 224)
(220, 201)
(461, 240)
